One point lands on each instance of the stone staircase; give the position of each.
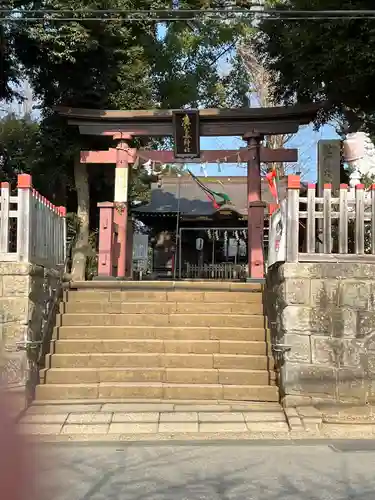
(160, 341)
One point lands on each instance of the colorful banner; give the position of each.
(277, 235)
(217, 199)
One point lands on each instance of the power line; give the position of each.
(176, 19)
(252, 8)
(255, 11)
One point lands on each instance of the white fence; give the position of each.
(325, 228)
(31, 228)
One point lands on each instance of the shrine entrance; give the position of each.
(213, 253)
(186, 127)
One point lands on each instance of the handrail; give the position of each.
(37, 349)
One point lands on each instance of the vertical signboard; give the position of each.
(186, 134)
(140, 247)
(277, 235)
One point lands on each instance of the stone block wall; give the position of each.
(325, 313)
(25, 294)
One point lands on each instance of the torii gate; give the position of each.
(252, 124)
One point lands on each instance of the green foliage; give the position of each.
(324, 59)
(121, 64)
(86, 63)
(118, 65)
(19, 146)
(26, 147)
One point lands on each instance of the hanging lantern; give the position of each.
(136, 163)
(242, 248)
(199, 242)
(148, 167)
(204, 169)
(239, 160)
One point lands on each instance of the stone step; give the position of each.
(160, 332)
(183, 285)
(159, 346)
(168, 375)
(212, 320)
(153, 360)
(162, 307)
(132, 405)
(211, 297)
(164, 391)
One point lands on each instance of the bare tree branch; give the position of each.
(261, 94)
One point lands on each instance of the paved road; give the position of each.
(207, 471)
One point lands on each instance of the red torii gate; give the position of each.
(123, 126)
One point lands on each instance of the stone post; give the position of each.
(120, 215)
(105, 257)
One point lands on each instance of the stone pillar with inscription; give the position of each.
(329, 163)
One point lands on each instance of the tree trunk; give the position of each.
(81, 248)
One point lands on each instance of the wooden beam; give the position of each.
(299, 112)
(337, 258)
(109, 156)
(165, 128)
(267, 155)
(226, 156)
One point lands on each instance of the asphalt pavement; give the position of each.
(207, 471)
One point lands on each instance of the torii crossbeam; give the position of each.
(252, 124)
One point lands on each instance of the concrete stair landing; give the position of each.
(107, 421)
(160, 341)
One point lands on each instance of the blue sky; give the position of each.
(306, 141)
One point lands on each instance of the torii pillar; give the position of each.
(255, 208)
(115, 212)
(120, 215)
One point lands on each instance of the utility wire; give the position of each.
(178, 19)
(255, 11)
(252, 9)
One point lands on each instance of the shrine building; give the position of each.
(190, 237)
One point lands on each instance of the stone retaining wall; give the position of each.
(326, 314)
(25, 292)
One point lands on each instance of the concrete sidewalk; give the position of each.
(233, 470)
(160, 420)
(130, 419)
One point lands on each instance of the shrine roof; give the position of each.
(194, 202)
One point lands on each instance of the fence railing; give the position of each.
(327, 227)
(224, 271)
(31, 228)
